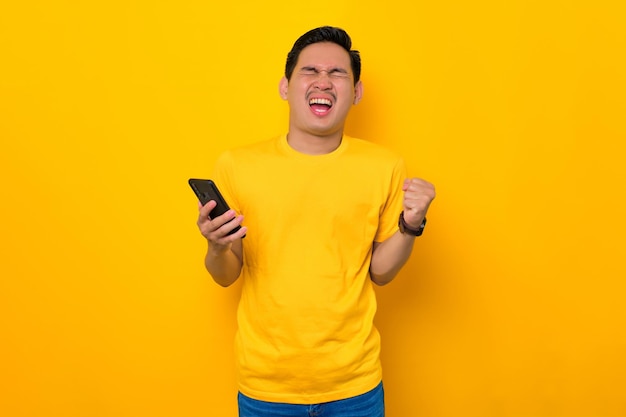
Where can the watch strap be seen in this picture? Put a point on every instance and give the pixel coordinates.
(406, 229)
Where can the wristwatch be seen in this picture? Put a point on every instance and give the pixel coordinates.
(406, 229)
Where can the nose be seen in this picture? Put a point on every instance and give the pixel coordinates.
(323, 81)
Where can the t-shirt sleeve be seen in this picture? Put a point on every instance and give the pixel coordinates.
(390, 212)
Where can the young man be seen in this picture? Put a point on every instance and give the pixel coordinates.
(325, 215)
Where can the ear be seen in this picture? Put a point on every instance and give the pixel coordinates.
(283, 87)
(358, 92)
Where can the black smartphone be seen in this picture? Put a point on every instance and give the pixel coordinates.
(206, 190)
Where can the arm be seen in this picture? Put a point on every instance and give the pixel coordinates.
(224, 257)
(389, 257)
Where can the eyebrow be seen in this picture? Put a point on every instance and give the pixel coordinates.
(312, 68)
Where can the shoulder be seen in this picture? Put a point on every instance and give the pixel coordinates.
(250, 151)
(254, 147)
(371, 150)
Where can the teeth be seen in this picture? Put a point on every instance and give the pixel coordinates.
(323, 101)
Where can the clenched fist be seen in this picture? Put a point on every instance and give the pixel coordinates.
(418, 194)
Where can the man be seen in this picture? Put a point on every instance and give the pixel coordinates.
(325, 215)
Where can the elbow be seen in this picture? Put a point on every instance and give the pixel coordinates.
(224, 281)
(381, 279)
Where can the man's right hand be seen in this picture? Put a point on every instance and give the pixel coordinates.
(216, 230)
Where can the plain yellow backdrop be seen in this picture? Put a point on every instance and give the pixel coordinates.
(513, 303)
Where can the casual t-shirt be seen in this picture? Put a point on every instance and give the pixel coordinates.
(305, 318)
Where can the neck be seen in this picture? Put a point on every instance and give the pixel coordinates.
(311, 144)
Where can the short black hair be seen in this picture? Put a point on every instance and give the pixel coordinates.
(324, 34)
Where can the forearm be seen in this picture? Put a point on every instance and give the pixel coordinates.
(389, 257)
(224, 267)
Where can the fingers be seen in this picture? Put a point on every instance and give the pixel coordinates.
(217, 230)
(416, 187)
(417, 184)
(418, 194)
(206, 209)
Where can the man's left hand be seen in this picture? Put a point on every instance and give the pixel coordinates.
(418, 194)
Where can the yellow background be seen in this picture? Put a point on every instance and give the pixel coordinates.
(513, 303)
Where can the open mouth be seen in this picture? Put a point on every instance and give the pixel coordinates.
(320, 106)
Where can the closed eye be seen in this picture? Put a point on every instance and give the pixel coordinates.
(338, 73)
(308, 71)
(333, 73)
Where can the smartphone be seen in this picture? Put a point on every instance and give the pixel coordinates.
(206, 190)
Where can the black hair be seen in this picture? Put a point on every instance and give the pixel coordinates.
(324, 34)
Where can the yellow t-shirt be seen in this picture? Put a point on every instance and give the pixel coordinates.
(305, 318)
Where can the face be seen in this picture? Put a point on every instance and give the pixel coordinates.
(321, 90)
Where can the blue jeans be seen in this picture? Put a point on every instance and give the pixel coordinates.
(370, 404)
